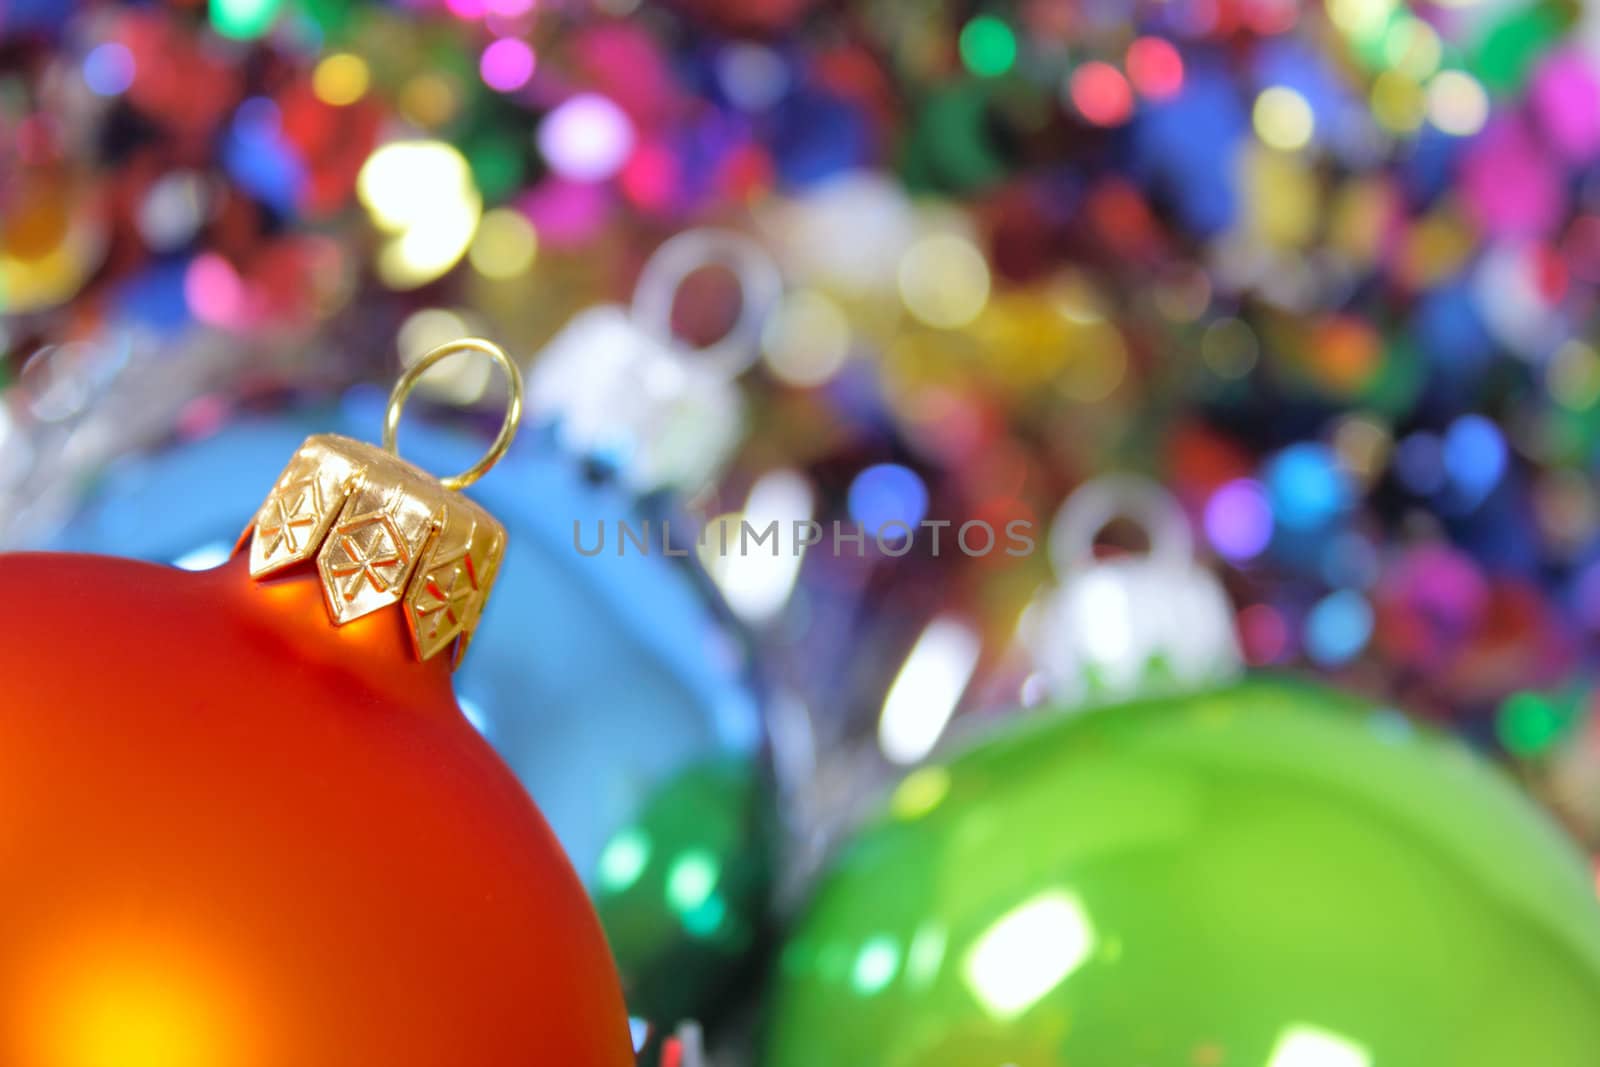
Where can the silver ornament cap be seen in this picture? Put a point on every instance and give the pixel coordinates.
(1133, 626)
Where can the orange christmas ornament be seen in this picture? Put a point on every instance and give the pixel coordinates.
(243, 822)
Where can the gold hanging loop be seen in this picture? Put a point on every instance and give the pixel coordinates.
(408, 383)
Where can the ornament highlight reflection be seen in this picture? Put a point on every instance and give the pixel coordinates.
(926, 691)
(1305, 1046)
(1028, 952)
(112, 1001)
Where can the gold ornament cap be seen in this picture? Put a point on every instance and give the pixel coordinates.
(384, 532)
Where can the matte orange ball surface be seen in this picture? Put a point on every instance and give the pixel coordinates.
(233, 835)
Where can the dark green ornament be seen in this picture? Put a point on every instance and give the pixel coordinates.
(682, 890)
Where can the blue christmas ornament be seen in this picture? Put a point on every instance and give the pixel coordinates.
(612, 684)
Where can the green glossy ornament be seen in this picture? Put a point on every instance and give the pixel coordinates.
(682, 888)
(1268, 875)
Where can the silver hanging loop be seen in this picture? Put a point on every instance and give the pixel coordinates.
(620, 385)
